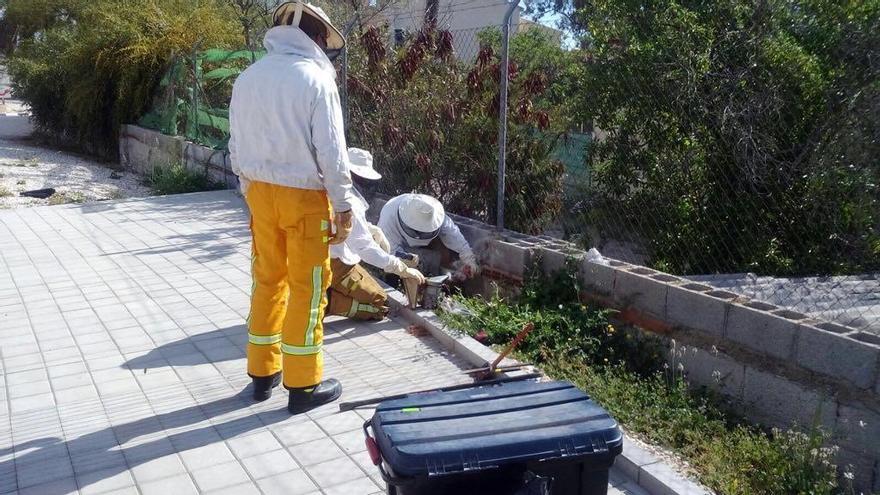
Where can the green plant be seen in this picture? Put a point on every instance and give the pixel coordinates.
(722, 121)
(4, 192)
(629, 377)
(86, 67)
(431, 121)
(177, 179)
(61, 198)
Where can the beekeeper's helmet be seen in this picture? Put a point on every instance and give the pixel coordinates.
(290, 13)
(420, 217)
(360, 163)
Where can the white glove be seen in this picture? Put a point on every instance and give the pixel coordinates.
(469, 262)
(399, 268)
(379, 237)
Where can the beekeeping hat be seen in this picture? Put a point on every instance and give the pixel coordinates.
(420, 217)
(290, 13)
(360, 163)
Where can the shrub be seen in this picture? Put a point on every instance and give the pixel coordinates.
(88, 67)
(177, 179)
(736, 135)
(628, 375)
(432, 124)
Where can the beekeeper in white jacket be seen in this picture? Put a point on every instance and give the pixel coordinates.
(287, 147)
(353, 291)
(415, 220)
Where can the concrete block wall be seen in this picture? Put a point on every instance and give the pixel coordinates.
(142, 149)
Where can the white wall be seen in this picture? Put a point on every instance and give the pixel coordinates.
(464, 18)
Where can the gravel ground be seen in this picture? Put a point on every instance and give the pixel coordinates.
(25, 166)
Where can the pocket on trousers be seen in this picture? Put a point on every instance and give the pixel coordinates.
(316, 226)
(352, 280)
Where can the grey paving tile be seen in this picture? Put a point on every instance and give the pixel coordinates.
(334, 472)
(76, 394)
(341, 422)
(26, 362)
(104, 481)
(248, 488)
(28, 389)
(31, 403)
(117, 387)
(298, 433)
(156, 468)
(316, 451)
(58, 487)
(179, 484)
(39, 473)
(291, 483)
(97, 460)
(253, 444)
(95, 440)
(220, 476)
(62, 370)
(269, 464)
(351, 442)
(71, 381)
(206, 456)
(26, 377)
(364, 486)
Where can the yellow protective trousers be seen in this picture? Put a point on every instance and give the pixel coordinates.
(291, 273)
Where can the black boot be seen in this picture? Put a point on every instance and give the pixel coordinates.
(305, 399)
(263, 386)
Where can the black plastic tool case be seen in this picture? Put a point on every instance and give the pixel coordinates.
(483, 440)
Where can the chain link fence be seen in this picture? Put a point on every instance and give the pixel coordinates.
(699, 180)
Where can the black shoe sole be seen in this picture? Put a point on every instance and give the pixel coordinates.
(264, 395)
(301, 408)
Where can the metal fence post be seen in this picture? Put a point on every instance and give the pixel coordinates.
(502, 112)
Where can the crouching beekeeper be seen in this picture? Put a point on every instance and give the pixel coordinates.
(413, 222)
(288, 148)
(353, 291)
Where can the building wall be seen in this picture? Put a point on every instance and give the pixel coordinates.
(464, 18)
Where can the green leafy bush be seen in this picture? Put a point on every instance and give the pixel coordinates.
(734, 135)
(177, 179)
(629, 376)
(85, 68)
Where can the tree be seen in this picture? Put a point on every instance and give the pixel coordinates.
(86, 67)
(432, 123)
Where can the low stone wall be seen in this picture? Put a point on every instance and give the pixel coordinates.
(142, 149)
(776, 366)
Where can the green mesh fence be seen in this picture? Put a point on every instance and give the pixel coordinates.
(193, 96)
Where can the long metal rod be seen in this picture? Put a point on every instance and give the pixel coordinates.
(502, 112)
(348, 406)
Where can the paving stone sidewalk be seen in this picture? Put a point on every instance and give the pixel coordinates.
(122, 361)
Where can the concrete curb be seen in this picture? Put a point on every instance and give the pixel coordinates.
(647, 470)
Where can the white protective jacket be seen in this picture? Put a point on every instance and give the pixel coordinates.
(449, 233)
(359, 245)
(285, 120)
